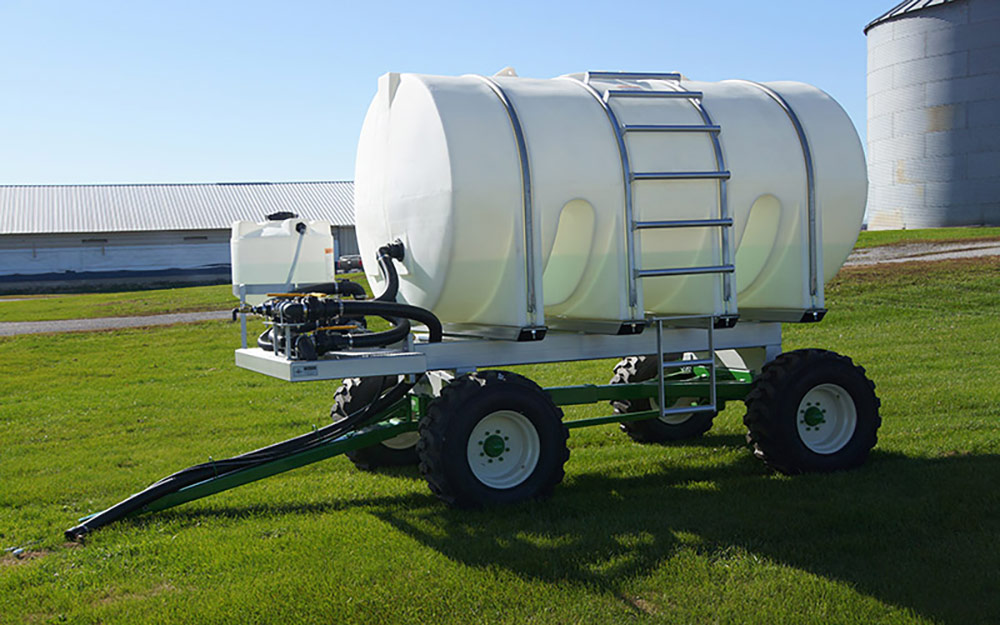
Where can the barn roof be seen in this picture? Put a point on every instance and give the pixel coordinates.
(42, 209)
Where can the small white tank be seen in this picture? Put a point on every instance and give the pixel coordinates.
(278, 253)
(516, 198)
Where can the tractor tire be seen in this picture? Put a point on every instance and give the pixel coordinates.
(812, 410)
(492, 438)
(676, 427)
(355, 394)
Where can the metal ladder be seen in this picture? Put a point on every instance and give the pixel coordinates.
(723, 221)
(708, 362)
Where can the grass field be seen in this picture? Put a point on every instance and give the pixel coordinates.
(698, 532)
(873, 238)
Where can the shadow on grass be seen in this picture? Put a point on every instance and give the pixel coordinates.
(922, 534)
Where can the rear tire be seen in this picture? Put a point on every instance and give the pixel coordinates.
(812, 410)
(655, 430)
(357, 393)
(492, 437)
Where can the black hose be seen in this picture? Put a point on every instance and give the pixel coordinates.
(340, 287)
(314, 309)
(386, 254)
(388, 310)
(265, 342)
(201, 472)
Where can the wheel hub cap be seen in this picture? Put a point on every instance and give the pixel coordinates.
(813, 416)
(494, 445)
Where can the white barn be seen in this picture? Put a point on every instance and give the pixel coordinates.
(86, 236)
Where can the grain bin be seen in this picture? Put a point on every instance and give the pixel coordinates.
(591, 200)
(934, 114)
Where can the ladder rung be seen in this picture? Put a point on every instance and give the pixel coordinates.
(632, 76)
(684, 271)
(687, 410)
(680, 175)
(673, 364)
(641, 93)
(670, 128)
(684, 223)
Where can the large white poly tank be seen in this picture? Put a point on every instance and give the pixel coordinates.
(511, 196)
(279, 253)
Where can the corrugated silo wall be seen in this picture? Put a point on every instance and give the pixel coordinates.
(934, 117)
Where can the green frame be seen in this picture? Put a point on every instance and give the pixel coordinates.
(404, 415)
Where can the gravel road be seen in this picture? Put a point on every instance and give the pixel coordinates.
(907, 252)
(11, 328)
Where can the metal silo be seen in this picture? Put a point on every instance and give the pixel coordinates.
(934, 114)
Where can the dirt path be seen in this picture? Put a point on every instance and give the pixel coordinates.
(11, 328)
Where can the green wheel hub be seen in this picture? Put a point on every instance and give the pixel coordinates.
(812, 416)
(494, 445)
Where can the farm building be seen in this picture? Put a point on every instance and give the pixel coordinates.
(87, 236)
(934, 115)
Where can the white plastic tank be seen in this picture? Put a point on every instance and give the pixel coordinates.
(279, 253)
(516, 197)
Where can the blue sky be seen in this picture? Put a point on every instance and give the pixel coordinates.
(183, 91)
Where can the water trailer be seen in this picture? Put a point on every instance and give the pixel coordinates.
(669, 223)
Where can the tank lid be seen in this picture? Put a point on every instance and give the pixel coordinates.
(904, 7)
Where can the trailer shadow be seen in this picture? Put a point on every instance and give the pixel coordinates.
(922, 534)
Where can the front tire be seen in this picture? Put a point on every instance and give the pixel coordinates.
(492, 437)
(812, 410)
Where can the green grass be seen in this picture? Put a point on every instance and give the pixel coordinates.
(119, 304)
(698, 532)
(122, 304)
(873, 238)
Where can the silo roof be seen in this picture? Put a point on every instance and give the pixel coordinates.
(907, 6)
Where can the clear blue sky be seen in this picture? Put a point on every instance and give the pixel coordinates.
(207, 91)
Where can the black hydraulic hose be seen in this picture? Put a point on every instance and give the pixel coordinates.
(386, 254)
(331, 342)
(340, 287)
(313, 309)
(201, 472)
(392, 309)
(265, 342)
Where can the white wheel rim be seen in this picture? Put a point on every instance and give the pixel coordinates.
(403, 441)
(675, 419)
(503, 449)
(826, 418)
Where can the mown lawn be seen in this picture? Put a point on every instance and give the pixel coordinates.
(698, 532)
(873, 238)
